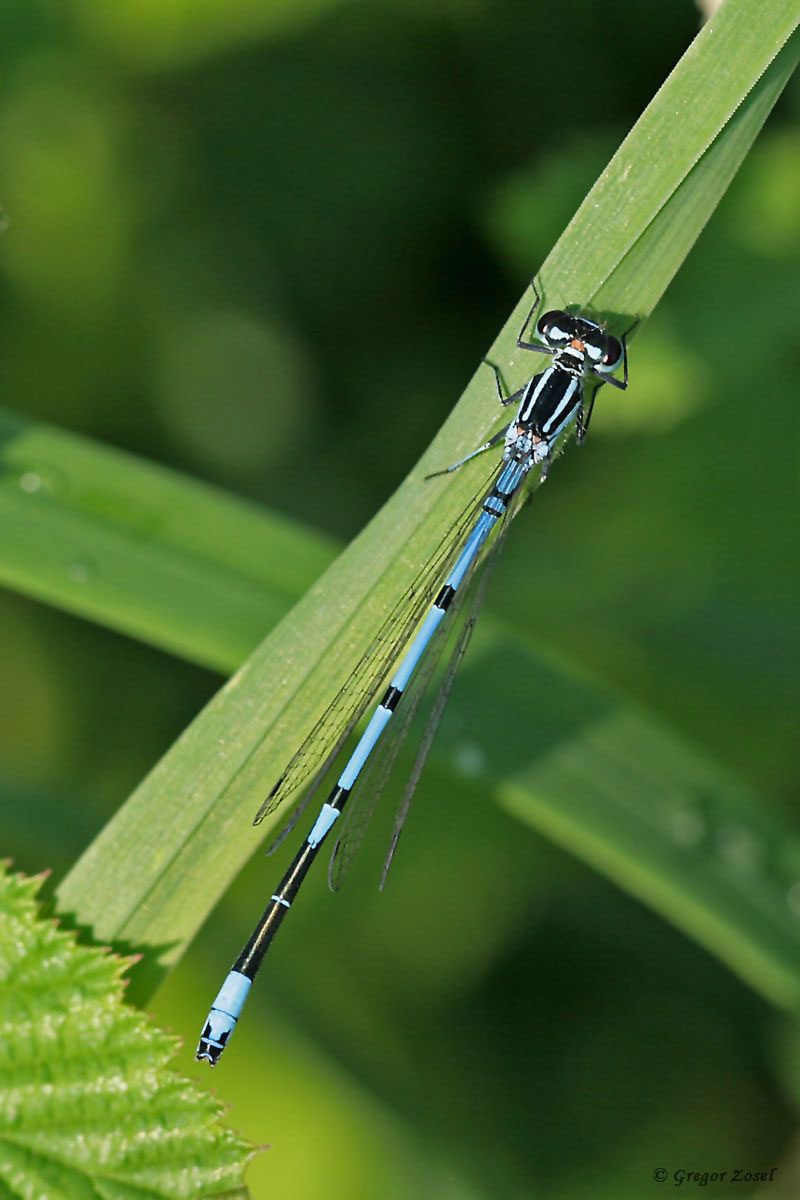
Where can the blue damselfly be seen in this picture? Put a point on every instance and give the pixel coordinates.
(550, 404)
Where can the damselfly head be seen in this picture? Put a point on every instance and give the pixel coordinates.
(556, 328)
(612, 353)
(562, 331)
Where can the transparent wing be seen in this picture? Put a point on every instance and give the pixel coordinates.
(446, 685)
(327, 737)
(296, 814)
(371, 785)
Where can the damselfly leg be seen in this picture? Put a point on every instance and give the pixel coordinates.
(405, 648)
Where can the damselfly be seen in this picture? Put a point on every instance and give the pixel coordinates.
(548, 405)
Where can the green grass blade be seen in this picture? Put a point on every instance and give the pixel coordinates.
(634, 229)
(617, 789)
(191, 571)
(189, 818)
(143, 550)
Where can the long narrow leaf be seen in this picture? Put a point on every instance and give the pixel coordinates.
(144, 550)
(616, 788)
(157, 868)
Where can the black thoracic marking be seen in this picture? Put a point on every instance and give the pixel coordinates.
(445, 598)
(392, 698)
(570, 360)
(528, 402)
(552, 393)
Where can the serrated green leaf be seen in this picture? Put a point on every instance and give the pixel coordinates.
(88, 1105)
(189, 819)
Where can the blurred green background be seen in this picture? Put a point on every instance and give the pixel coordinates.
(250, 235)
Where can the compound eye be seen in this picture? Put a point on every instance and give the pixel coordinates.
(555, 328)
(612, 353)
